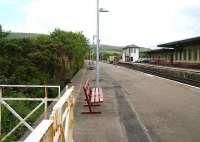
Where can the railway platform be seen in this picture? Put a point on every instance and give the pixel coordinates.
(117, 122)
(139, 107)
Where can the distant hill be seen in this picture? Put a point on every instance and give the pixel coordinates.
(111, 49)
(143, 49)
(118, 49)
(22, 35)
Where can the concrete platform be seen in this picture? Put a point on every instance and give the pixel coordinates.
(169, 110)
(118, 121)
(140, 107)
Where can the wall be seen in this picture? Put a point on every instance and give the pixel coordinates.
(134, 53)
(130, 53)
(188, 56)
(161, 58)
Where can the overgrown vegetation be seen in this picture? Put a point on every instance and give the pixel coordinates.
(45, 59)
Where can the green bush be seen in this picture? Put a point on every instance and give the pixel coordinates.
(47, 59)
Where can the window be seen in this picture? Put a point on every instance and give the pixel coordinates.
(127, 51)
(134, 50)
(131, 50)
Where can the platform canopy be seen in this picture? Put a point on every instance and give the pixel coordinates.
(163, 50)
(180, 43)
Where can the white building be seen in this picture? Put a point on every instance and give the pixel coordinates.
(130, 53)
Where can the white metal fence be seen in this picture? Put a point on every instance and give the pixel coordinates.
(59, 127)
(23, 121)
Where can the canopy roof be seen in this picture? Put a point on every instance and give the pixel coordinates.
(164, 50)
(181, 43)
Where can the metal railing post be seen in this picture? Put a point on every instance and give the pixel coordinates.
(0, 109)
(59, 92)
(45, 103)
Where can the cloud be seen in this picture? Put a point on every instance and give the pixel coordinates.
(146, 23)
(73, 15)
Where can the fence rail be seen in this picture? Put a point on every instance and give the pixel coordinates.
(59, 127)
(44, 101)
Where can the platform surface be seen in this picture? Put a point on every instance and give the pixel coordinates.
(169, 110)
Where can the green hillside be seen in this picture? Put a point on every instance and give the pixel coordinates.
(22, 35)
(108, 50)
(111, 49)
(143, 49)
(118, 49)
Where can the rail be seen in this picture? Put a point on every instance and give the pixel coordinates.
(59, 127)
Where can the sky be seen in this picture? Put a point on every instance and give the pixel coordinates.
(145, 23)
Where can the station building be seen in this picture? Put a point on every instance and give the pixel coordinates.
(183, 53)
(130, 53)
(161, 56)
(186, 52)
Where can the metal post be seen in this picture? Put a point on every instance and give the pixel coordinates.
(45, 103)
(0, 109)
(97, 48)
(59, 92)
(93, 46)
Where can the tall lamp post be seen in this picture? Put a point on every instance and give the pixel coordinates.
(98, 42)
(93, 45)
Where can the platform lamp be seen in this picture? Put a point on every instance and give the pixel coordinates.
(98, 42)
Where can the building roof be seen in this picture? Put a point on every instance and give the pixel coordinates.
(163, 50)
(131, 46)
(181, 43)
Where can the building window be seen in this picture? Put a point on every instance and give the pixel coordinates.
(127, 51)
(134, 50)
(131, 50)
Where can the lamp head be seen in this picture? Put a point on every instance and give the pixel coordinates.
(103, 10)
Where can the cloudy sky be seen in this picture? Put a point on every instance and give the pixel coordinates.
(141, 22)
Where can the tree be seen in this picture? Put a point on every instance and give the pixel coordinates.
(3, 34)
(47, 59)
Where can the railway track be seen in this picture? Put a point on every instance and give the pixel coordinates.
(169, 75)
